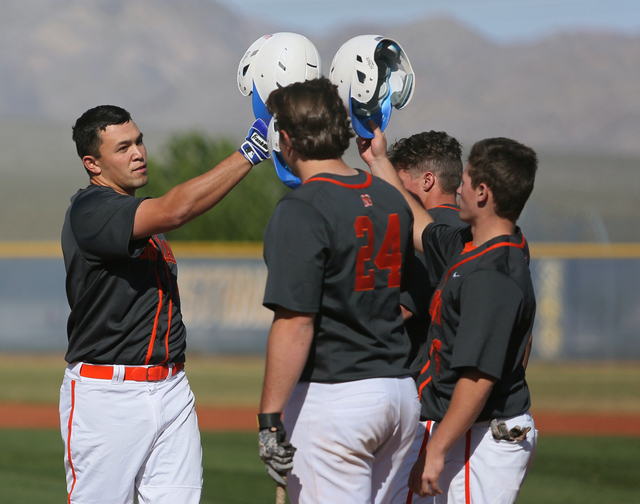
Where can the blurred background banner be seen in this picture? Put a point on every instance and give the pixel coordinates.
(587, 294)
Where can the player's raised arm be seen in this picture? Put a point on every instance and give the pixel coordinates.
(194, 197)
(374, 152)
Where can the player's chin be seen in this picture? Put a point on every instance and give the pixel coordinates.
(142, 179)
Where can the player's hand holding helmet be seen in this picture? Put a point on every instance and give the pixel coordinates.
(373, 75)
(271, 62)
(275, 450)
(255, 147)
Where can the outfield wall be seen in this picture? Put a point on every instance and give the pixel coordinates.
(588, 299)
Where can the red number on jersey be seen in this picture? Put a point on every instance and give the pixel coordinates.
(364, 281)
(389, 256)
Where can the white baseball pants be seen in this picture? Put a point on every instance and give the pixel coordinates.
(351, 438)
(126, 437)
(478, 469)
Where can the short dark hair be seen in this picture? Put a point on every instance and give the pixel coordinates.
(314, 117)
(86, 129)
(506, 167)
(433, 151)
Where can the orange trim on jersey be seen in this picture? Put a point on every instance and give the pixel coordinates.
(166, 338)
(155, 322)
(73, 471)
(468, 247)
(450, 207)
(435, 309)
(424, 384)
(467, 470)
(364, 185)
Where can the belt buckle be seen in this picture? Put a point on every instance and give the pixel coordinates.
(156, 373)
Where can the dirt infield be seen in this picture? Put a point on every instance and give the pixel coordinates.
(36, 416)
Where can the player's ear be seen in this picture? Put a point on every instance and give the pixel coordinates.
(285, 140)
(428, 181)
(91, 164)
(482, 193)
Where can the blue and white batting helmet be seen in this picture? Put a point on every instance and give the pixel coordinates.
(271, 62)
(373, 75)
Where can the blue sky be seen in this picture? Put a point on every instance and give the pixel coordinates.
(499, 20)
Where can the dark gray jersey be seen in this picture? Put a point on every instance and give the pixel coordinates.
(481, 317)
(425, 278)
(337, 247)
(123, 294)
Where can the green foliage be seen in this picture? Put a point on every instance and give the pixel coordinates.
(242, 215)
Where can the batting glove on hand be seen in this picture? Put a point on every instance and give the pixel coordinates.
(256, 148)
(275, 451)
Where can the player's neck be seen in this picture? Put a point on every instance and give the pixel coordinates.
(437, 199)
(103, 182)
(486, 227)
(310, 167)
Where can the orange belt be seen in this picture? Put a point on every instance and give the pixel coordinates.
(141, 374)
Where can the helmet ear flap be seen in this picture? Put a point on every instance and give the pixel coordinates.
(282, 169)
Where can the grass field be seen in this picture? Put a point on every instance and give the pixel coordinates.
(567, 470)
(236, 381)
(572, 470)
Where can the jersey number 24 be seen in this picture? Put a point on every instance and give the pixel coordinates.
(389, 256)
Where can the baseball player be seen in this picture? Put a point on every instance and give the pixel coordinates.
(126, 410)
(337, 351)
(482, 437)
(429, 165)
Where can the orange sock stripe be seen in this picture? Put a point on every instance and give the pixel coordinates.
(73, 471)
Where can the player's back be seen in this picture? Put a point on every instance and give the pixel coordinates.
(356, 234)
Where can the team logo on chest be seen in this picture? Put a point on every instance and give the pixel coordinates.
(366, 199)
(156, 247)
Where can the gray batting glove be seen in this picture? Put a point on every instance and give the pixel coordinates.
(500, 431)
(275, 450)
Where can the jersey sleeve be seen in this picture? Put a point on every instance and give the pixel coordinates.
(418, 294)
(489, 306)
(440, 243)
(102, 223)
(296, 245)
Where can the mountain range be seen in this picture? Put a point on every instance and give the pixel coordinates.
(174, 63)
(574, 97)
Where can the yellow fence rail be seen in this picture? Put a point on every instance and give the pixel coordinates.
(235, 250)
